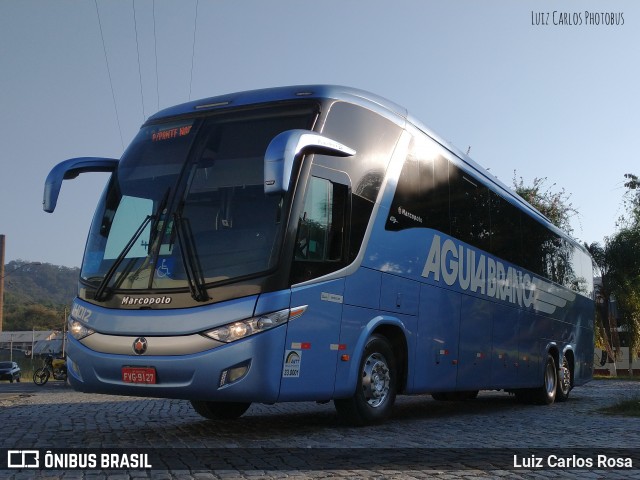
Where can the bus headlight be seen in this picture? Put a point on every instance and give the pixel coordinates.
(79, 330)
(245, 328)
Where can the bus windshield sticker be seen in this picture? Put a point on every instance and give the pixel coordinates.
(292, 362)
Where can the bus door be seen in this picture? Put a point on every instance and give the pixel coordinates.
(312, 344)
(311, 347)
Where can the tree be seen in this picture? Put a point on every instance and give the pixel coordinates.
(556, 206)
(618, 262)
(35, 316)
(631, 201)
(623, 255)
(606, 326)
(36, 295)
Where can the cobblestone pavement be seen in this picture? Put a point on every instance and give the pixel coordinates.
(306, 440)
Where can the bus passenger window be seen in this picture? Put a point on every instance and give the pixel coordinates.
(422, 194)
(506, 241)
(434, 175)
(469, 207)
(406, 209)
(534, 236)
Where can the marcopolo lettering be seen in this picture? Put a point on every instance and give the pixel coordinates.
(472, 271)
(145, 300)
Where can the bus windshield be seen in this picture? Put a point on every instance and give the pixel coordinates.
(186, 207)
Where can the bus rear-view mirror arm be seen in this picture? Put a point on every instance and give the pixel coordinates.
(286, 147)
(71, 169)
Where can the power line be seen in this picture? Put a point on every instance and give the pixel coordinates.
(155, 49)
(113, 96)
(135, 27)
(193, 48)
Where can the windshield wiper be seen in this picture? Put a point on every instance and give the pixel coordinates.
(190, 259)
(154, 234)
(100, 292)
(160, 213)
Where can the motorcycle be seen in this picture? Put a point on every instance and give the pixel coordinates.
(53, 367)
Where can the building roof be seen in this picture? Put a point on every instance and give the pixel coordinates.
(29, 336)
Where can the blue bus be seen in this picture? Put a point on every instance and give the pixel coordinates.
(317, 243)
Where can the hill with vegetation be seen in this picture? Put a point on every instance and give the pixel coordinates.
(37, 296)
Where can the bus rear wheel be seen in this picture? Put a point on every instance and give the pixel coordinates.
(220, 410)
(565, 380)
(546, 394)
(376, 388)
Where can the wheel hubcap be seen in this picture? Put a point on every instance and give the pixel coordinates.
(375, 380)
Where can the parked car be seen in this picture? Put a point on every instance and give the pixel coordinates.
(9, 371)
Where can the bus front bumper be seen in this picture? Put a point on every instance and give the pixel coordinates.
(247, 370)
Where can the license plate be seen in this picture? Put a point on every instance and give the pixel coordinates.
(138, 374)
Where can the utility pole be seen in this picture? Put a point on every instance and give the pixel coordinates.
(64, 333)
(1, 279)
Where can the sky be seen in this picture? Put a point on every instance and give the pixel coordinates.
(540, 88)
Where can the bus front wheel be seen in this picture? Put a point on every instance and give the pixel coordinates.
(376, 389)
(220, 410)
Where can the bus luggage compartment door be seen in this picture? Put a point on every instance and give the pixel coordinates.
(438, 335)
(474, 357)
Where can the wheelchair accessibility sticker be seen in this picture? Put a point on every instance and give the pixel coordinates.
(165, 268)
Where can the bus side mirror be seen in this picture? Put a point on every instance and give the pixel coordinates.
(286, 147)
(71, 169)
